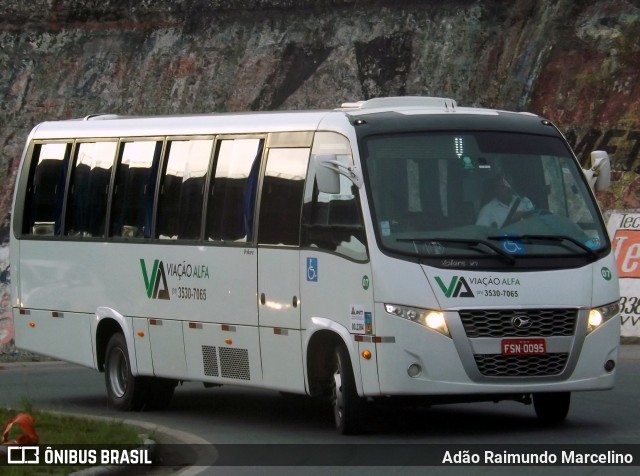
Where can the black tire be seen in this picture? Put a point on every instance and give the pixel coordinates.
(347, 405)
(552, 408)
(125, 392)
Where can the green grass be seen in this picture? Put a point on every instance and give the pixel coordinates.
(56, 429)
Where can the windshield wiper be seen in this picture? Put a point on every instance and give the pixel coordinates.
(471, 243)
(551, 238)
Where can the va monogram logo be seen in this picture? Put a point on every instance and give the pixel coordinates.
(458, 287)
(155, 289)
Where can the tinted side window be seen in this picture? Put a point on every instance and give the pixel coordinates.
(181, 200)
(281, 201)
(231, 197)
(89, 189)
(45, 193)
(333, 222)
(134, 189)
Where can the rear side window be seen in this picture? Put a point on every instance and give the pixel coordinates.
(89, 189)
(45, 192)
(134, 189)
(231, 199)
(181, 197)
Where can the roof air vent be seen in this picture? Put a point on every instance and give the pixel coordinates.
(102, 116)
(402, 102)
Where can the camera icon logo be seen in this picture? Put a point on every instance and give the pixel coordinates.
(23, 454)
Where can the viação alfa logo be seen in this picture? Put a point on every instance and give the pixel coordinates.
(156, 282)
(457, 287)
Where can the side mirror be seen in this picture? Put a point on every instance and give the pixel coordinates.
(326, 175)
(328, 171)
(599, 174)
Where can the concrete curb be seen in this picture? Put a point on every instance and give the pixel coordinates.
(29, 363)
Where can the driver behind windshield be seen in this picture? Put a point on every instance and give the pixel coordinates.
(505, 207)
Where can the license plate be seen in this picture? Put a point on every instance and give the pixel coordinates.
(524, 347)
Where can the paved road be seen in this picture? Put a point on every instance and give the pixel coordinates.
(237, 415)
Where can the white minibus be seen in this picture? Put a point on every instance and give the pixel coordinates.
(394, 247)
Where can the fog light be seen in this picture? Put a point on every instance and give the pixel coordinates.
(609, 365)
(414, 370)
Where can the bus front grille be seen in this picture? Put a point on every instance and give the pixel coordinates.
(496, 365)
(519, 322)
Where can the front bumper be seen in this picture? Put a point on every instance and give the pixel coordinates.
(450, 366)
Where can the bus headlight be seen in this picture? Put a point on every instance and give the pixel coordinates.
(431, 319)
(600, 315)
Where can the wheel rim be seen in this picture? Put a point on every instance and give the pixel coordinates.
(338, 401)
(118, 372)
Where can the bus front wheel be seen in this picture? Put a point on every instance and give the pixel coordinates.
(552, 407)
(347, 405)
(125, 391)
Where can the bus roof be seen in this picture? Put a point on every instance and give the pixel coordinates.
(200, 124)
(409, 108)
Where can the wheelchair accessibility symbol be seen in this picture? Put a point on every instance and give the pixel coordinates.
(512, 246)
(312, 269)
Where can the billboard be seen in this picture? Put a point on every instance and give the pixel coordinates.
(624, 229)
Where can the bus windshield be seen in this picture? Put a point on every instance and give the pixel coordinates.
(504, 195)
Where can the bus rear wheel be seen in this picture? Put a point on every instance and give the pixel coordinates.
(126, 392)
(347, 405)
(552, 407)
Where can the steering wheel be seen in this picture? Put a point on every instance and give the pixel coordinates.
(515, 216)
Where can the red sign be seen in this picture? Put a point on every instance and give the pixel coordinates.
(626, 246)
(524, 347)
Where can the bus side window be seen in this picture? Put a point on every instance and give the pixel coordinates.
(231, 199)
(333, 222)
(281, 201)
(134, 189)
(89, 189)
(182, 184)
(45, 193)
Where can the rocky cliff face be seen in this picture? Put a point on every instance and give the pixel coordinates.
(576, 63)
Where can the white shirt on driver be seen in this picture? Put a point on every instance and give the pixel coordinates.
(495, 212)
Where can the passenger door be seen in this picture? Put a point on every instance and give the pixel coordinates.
(278, 267)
